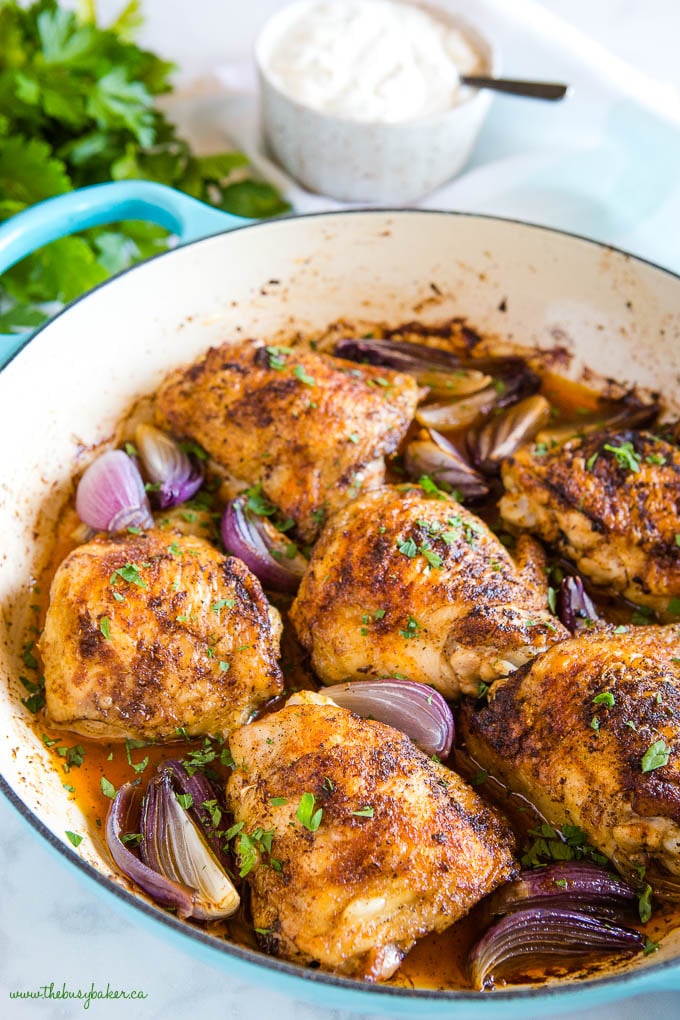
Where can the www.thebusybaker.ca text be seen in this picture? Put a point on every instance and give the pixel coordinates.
(51, 991)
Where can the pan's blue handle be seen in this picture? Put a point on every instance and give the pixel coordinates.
(66, 214)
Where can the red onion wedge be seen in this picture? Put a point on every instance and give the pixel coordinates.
(110, 495)
(575, 608)
(272, 557)
(416, 709)
(513, 379)
(542, 935)
(123, 818)
(176, 477)
(571, 885)
(179, 865)
(433, 455)
(503, 434)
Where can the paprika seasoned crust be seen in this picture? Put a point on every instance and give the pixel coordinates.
(311, 429)
(610, 502)
(148, 633)
(401, 846)
(403, 583)
(589, 732)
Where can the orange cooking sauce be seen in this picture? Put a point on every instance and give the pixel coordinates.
(437, 961)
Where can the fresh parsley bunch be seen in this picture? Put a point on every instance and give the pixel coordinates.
(77, 108)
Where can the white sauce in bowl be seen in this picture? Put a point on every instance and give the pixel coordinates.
(378, 61)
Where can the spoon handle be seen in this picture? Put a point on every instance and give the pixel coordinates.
(534, 89)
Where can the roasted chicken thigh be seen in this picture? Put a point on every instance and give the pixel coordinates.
(361, 843)
(403, 584)
(610, 502)
(148, 633)
(311, 429)
(590, 733)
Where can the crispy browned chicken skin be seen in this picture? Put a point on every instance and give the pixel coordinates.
(615, 514)
(148, 633)
(403, 846)
(406, 584)
(310, 428)
(581, 761)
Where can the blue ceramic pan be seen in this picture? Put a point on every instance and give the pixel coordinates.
(228, 279)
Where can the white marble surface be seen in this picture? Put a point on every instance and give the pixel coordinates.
(54, 926)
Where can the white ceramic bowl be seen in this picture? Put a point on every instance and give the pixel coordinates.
(358, 161)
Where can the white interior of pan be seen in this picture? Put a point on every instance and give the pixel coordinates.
(67, 390)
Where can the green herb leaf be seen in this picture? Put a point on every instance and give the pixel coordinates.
(306, 814)
(108, 789)
(300, 374)
(645, 904)
(364, 812)
(74, 838)
(605, 698)
(655, 756)
(185, 800)
(104, 627)
(625, 454)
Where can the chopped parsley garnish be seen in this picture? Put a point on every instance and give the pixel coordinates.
(29, 659)
(36, 690)
(364, 812)
(595, 723)
(650, 947)
(108, 789)
(408, 547)
(105, 627)
(411, 629)
(552, 600)
(306, 814)
(221, 603)
(621, 629)
(75, 756)
(626, 455)
(224, 666)
(590, 463)
(605, 698)
(540, 449)
(247, 854)
(214, 810)
(328, 785)
(300, 374)
(197, 759)
(548, 845)
(130, 573)
(482, 689)
(431, 488)
(74, 838)
(278, 801)
(185, 800)
(655, 458)
(276, 356)
(378, 614)
(258, 504)
(353, 437)
(433, 558)
(645, 904)
(655, 756)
